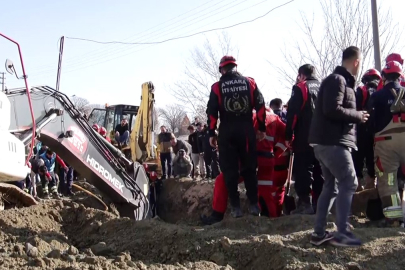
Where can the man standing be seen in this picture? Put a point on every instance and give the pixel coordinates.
(122, 133)
(307, 171)
(332, 135)
(233, 98)
(196, 153)
(210, 155)
(165, 149)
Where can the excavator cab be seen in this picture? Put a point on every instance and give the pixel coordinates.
(111, 116)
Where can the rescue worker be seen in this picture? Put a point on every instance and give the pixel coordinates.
(306, 170)
(49, 158)
(96, 127)
(234, 97)
(66, 181)
(394, 57)
(103, 132)
(270, 184)
(365, 141)
(270, 191)
(277, 106)
(388, 123)
(182, 165)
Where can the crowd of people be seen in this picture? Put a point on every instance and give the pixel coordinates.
(194, 158)
(331, 129)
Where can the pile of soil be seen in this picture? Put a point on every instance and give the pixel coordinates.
(64, 234)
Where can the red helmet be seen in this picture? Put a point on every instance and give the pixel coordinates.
(372, 72)
(394, 57)
(392, 67)
(103, 131)
(96, 127)
(226, 60)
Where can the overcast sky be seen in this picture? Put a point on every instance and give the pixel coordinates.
(114, 73)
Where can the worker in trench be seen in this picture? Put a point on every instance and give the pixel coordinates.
(271, 155)
(234, 97)
(387, 120)
(50, 158)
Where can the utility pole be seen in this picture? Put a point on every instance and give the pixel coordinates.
(376, 35)
(3, 78)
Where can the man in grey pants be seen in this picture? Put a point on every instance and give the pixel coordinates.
(332, 134)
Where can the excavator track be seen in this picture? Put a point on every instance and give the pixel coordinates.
(64, 129)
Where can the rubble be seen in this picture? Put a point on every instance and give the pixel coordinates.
(65, 234)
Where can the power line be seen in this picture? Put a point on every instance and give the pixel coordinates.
(145, 33)
(181, 37)
(156, 43)
(174, 29)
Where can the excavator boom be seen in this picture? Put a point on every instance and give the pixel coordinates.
(64, 129)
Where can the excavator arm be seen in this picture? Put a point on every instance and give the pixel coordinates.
(63, 128)
(143, 134)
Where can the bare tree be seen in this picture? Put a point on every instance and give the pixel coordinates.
(172, 116)
(81, 104)
(201, 71)
(346, 23)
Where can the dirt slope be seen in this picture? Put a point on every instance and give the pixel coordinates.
(67, 235)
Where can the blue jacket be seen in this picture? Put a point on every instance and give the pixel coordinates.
(380, 104)
(49, 163)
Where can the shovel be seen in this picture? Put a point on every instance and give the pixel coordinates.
(289, 201)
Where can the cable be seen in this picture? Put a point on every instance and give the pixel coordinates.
(167, 32)
(181, 37)
(155, 43)
(83, 56)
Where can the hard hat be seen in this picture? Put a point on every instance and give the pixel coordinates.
(103, 131)
(226, 60)
(370, 73)
(96, 127)
(394, 57)
(392, 67)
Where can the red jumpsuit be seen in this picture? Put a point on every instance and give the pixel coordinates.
(270, 184)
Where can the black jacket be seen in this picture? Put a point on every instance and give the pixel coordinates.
(380, 107)
(206, 146)
(233, 98)
(193, 141)
(300, 111)
(335, 112)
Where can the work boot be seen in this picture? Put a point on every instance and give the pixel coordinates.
(236, 212)
(303, 208)
(370, 182)
(46, 196)
(254, 210)
(56, 195)
(215, 217)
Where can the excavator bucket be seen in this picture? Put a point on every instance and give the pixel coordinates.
(63, 128)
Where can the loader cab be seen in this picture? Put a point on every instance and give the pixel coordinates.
(111, 116)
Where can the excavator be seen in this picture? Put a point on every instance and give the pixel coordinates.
(46, 114)
(141, 121)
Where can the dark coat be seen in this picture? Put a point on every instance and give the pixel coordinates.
(335, 112)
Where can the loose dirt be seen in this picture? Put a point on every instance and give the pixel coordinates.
(72, 234)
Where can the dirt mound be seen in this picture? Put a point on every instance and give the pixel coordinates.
(67, 235)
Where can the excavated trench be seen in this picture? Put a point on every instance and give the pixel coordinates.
(175, 241)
